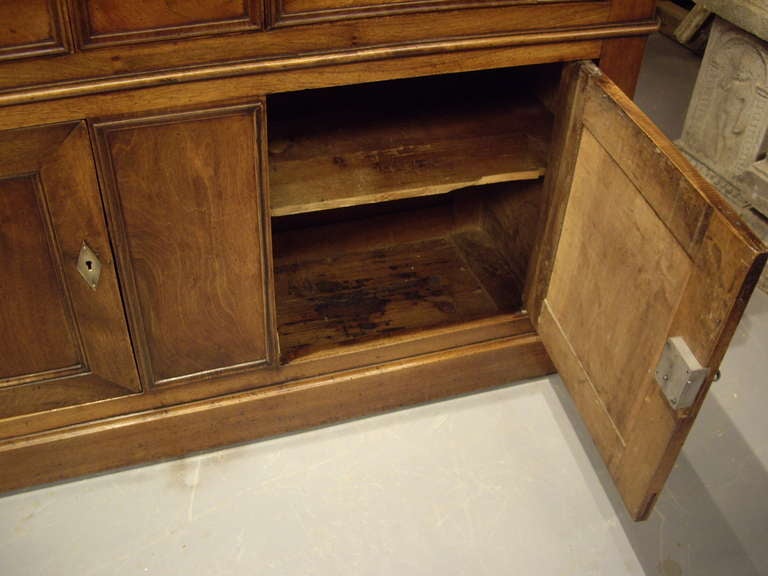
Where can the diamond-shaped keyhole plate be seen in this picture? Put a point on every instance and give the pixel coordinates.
(89, 265)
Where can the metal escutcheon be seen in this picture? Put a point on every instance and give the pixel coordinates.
(89, 266)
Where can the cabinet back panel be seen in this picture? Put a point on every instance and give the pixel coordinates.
(189, 199)
(36, 331)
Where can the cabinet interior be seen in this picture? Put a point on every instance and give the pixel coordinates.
(405, 205)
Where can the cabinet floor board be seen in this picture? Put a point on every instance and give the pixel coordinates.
(328, 301)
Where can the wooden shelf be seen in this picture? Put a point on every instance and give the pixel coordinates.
(359, 281)
(345, 154)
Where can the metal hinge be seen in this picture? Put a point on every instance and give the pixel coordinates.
(679, 373)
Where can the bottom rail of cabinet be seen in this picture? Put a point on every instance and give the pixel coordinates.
(171, 432)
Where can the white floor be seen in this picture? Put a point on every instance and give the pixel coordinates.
(505, 482)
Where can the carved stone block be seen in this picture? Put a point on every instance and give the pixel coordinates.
(726, 127)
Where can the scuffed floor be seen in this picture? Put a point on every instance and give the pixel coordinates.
(504, 482)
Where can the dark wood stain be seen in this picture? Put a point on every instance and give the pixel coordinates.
(326, 301)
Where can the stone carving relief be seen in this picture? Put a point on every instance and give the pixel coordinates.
(727, 121)
(726, 127)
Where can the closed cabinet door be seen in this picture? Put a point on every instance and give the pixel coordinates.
(641, 276)
(63, 334)
(184, 201)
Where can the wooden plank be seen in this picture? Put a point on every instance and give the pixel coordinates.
(511, 216)
(676, 201)
(22, 151)
(586, 397)
(366, 291)
(616, 281)
(621, 59)
(691, 24)
(670, 14)
(423, 147)
(140, 438)
(726, 271)
(566, 135)
(36, 398)
(324, 362)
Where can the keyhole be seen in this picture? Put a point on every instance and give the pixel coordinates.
(89, 265)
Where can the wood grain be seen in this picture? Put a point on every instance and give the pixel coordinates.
(33, 28)
(23, 150)
(566, 135)
(268, 77)
(616, 281)
(69, 177)
(39, 334)
(78, 450)
(227, 55)
(351, 357)
(621, 58)
(293, 12)
(113, 22)
(511, 217)
(630, 273)
(415, 138)
(358, 289)
(676, 200)
(67, 343)
(184, 197)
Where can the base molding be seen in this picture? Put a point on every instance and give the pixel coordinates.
(171, 432)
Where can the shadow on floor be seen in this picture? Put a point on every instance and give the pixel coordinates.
(688, 533)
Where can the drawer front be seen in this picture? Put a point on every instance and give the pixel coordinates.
(32, 28)
(118, 22)
(183, 195)
(300, 11)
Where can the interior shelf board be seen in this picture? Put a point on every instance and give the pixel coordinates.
(378, 158)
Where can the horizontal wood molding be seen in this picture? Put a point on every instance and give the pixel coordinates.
(245, 87)
(297, 12)
(62, 81)
(356, 356)
(149, 436)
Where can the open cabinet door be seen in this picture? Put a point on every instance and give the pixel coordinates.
(640, 277)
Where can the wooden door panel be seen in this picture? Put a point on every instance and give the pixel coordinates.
(39, 339)
(184, 194)
(117, 21)
(637, 248)
(62, 342)
(32, 28)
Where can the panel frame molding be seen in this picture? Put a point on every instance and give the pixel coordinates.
(85, 38)
(81, 368)
(60, 42)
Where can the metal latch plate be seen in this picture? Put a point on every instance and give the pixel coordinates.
(679, 373)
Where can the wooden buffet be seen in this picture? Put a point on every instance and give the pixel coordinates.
(223, 220)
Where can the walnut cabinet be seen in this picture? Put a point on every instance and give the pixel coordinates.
(280, 243)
